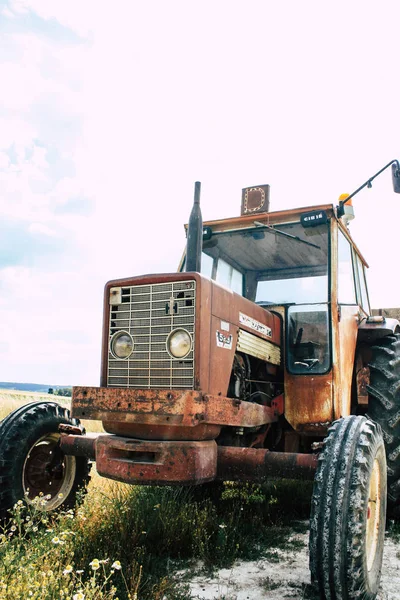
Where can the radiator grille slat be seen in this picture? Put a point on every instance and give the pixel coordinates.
(258, 347)
(149, 313)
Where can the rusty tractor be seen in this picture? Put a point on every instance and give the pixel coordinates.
(259, 359)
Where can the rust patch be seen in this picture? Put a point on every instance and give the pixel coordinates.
(155, 463)
(318, 428)
(71, 429)
(79, 445)
(308, 400)
(278, 404)
(169, 409)
(251, 464)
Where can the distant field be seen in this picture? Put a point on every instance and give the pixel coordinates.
(29, 395)
(12, 399)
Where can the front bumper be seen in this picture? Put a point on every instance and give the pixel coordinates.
(162, 436)
(167, 414)
(167, 463)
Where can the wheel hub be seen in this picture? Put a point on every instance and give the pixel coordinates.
(48, 472)
(40, 475)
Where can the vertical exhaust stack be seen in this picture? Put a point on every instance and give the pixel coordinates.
(194, 243)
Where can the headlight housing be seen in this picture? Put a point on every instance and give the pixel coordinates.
(121, 345)
(179, 343)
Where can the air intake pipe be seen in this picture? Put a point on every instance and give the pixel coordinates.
(194, 243)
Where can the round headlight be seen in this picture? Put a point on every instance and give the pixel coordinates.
(179, 343)
(121, 345)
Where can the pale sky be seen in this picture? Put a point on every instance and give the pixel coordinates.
(109, 111)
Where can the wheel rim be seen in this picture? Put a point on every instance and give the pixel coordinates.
(40, 479)
(373, 514)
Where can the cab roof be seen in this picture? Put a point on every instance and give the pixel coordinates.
(278, 217)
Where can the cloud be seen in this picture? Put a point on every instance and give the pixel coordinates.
(41, 229)
(43, 208)
(30, 244)
(108, 117)
(21, 16)
(45, 326)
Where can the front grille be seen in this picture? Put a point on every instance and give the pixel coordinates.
(149, 313)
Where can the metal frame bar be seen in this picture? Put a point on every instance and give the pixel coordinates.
(368, 183)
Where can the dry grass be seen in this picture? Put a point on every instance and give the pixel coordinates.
(151, 531)
(12, 399)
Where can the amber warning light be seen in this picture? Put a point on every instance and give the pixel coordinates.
(348, 210)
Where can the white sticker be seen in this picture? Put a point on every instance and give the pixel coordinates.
(224, 340)
(224, 326)
(256, 325)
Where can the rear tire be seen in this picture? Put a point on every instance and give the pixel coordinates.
(348, 511)
(28, 438)
(384, 408)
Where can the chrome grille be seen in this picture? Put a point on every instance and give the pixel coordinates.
(149, 313)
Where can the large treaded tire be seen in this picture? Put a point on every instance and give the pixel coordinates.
(28, 437)
(348, 511)
(384, 408)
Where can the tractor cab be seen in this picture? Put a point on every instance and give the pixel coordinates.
(303, 265)
(284, 267)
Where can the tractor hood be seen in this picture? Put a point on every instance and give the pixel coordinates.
(150, 308)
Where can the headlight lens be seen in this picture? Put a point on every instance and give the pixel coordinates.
(121, 345)
(179, 343)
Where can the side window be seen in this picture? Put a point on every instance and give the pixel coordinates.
(206, 265)
(308, 346)
(229, 277)
(346, 289)
(364, 301)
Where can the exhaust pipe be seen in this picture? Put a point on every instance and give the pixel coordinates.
(194, 243)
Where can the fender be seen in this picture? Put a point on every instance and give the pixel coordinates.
(370, 330)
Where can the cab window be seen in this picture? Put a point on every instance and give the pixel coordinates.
(229, 276)
(308, 341)
(206, 265)
(362, 285)
(221, 271)
(346, 288)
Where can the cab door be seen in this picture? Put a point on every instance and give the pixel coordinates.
(346, 318)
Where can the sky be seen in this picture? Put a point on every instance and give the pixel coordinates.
(109, 112)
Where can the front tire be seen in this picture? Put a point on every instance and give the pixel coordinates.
(348, 511)
(28, 443)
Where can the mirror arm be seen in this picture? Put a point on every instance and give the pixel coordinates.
(368, 183)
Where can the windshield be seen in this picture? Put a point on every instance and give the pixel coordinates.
(283, 264)
(296, 269)
(298, 290)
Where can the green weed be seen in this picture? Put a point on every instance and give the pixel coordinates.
(151, 531)
(127, 542)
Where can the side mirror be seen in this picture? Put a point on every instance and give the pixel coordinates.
(396, 177)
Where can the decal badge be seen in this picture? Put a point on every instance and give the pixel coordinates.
(224, 340)
(225, 325)
(253, 324)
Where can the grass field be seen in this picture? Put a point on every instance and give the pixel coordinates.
(12, 399)
(128, 542)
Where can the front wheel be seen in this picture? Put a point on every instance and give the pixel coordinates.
(348, 511)
(31, 463)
